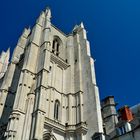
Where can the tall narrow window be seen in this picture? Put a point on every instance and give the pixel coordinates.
(55, 47)
(56, 110)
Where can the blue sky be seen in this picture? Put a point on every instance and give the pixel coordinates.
(113, 31)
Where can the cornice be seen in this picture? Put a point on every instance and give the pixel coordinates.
(53, 88)
(59, 61)
(79, 128)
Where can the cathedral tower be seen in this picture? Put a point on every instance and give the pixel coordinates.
(49, 90)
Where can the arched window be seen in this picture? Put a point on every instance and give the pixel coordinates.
(56, 110)
(48, 136)
(56, 46)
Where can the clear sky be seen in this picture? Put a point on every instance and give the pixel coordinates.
(113, 31)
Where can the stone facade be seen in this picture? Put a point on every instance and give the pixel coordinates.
(49, 90)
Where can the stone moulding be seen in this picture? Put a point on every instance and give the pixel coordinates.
(59, 61)
(82, 126)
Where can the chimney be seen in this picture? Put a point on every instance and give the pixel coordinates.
(109, 114)
(126, 114)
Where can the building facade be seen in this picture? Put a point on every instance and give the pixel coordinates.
(48, 90)
(123, 124)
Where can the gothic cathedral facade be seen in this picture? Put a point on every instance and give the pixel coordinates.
(48, 90)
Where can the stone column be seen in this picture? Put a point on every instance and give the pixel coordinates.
(5, 86)
(81, 106)
(80, 136)
(70, 109)
(39, 114)
(3, 95)
(41, 91)
(28, 117)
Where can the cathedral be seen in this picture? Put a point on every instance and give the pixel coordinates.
(48, 88)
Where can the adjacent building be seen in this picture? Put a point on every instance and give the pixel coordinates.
(123, 124)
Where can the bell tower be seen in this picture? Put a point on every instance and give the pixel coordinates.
(56, 96)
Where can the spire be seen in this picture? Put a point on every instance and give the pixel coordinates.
(42, 14)
(1, 55)
(78, 27)
(8, 54)
(48, 13)
(75, 28)
(4, 62)
(41, 18)
(29, 28)
(5, 57)
(8, 50)
(26, 32)
(81, 25)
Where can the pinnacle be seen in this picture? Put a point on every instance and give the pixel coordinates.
(75, 27)
(42, 14)
(48, 12)
(8, 50)
(82, 25)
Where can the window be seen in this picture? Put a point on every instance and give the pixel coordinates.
(56, 110)
(55, 47)
(97, 136)
(121, 130)
(48, 136)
